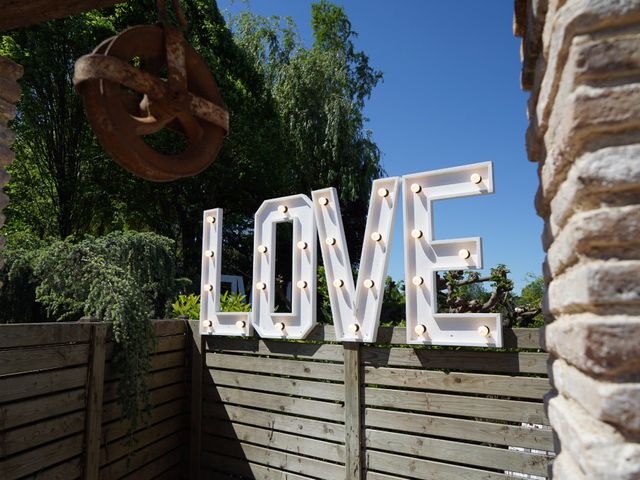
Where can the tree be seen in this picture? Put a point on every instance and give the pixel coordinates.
(283, 139)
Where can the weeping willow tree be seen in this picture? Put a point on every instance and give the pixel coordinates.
(320, 94)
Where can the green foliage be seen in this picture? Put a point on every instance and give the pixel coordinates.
(186, 306)
(189, 305)
(122, 278)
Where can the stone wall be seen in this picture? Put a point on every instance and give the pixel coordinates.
(10, 91)
(581, 62)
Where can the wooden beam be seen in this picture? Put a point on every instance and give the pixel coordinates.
(95, 390)
(197, 377)
(352, 411)
(22, 13)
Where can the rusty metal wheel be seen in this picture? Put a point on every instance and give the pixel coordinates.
(125, 99)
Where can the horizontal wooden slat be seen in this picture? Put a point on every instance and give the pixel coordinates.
(496, 362)
(68, 470)
(154, 380)
(32, 384)
(39, 334)
(235, 467)
(31, 436)
(276, 348)
(503, 385)
(111, 410)
(158, 466)
(32, 410)
(450, 451)
(118, 429)
(42, 358)
(459, 405)
(176, 472)
(425, 469)
(275, 421)
(143, 437)
(486, 432)
(40, 458)
(158, 362)
(143, 456)
(291, 405)
(289, 386)
(281, 460)
(277, 366)
(163, 345)
(271, 439)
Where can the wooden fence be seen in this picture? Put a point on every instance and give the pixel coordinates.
(58, 413)
(323, 410)
(272, 410)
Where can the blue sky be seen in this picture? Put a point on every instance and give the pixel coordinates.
(450, 96)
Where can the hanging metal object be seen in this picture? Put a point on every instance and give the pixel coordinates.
(125, 99)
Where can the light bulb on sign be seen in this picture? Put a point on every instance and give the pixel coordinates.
(207, 287)
(262, 248)
(383, 192)
(338, 283)
(240, 324)
(484, 331)
(354, 328)
(417, 280)
(261, 285)
(415, 188)
(476, 178)
(463, 253)
(279, 326)
(324, 201)
(211, 219)
(330, 241)
(302, 245)
(301, 284)
(368, 283)
(416, 233)
(207, 323)
(420, 329)
(283, 209)
(376, 236)
(208, 253)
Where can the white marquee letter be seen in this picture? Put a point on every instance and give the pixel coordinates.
(212, 321)
(356, 311)
(297, 324)
(424, 256)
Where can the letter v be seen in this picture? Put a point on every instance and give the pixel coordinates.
(356, 310)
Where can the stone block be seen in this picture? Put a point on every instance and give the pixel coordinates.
(607, 58)
(565, 467)
(7, 111)
(595, 285)
(10, 69)
(10, 90)
(581, 117)
(607, 176)
(570, 19)
(6, 156)
(614, 403)
(597, 448)
(7, 136)
(603, 346)
(597, 234)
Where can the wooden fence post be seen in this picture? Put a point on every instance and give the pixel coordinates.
(94, 394)
(197, 370)
(352, 411)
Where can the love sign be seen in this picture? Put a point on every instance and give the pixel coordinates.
(355, 303)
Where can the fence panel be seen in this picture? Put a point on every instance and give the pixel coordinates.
(59, 417)
(304, 409)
